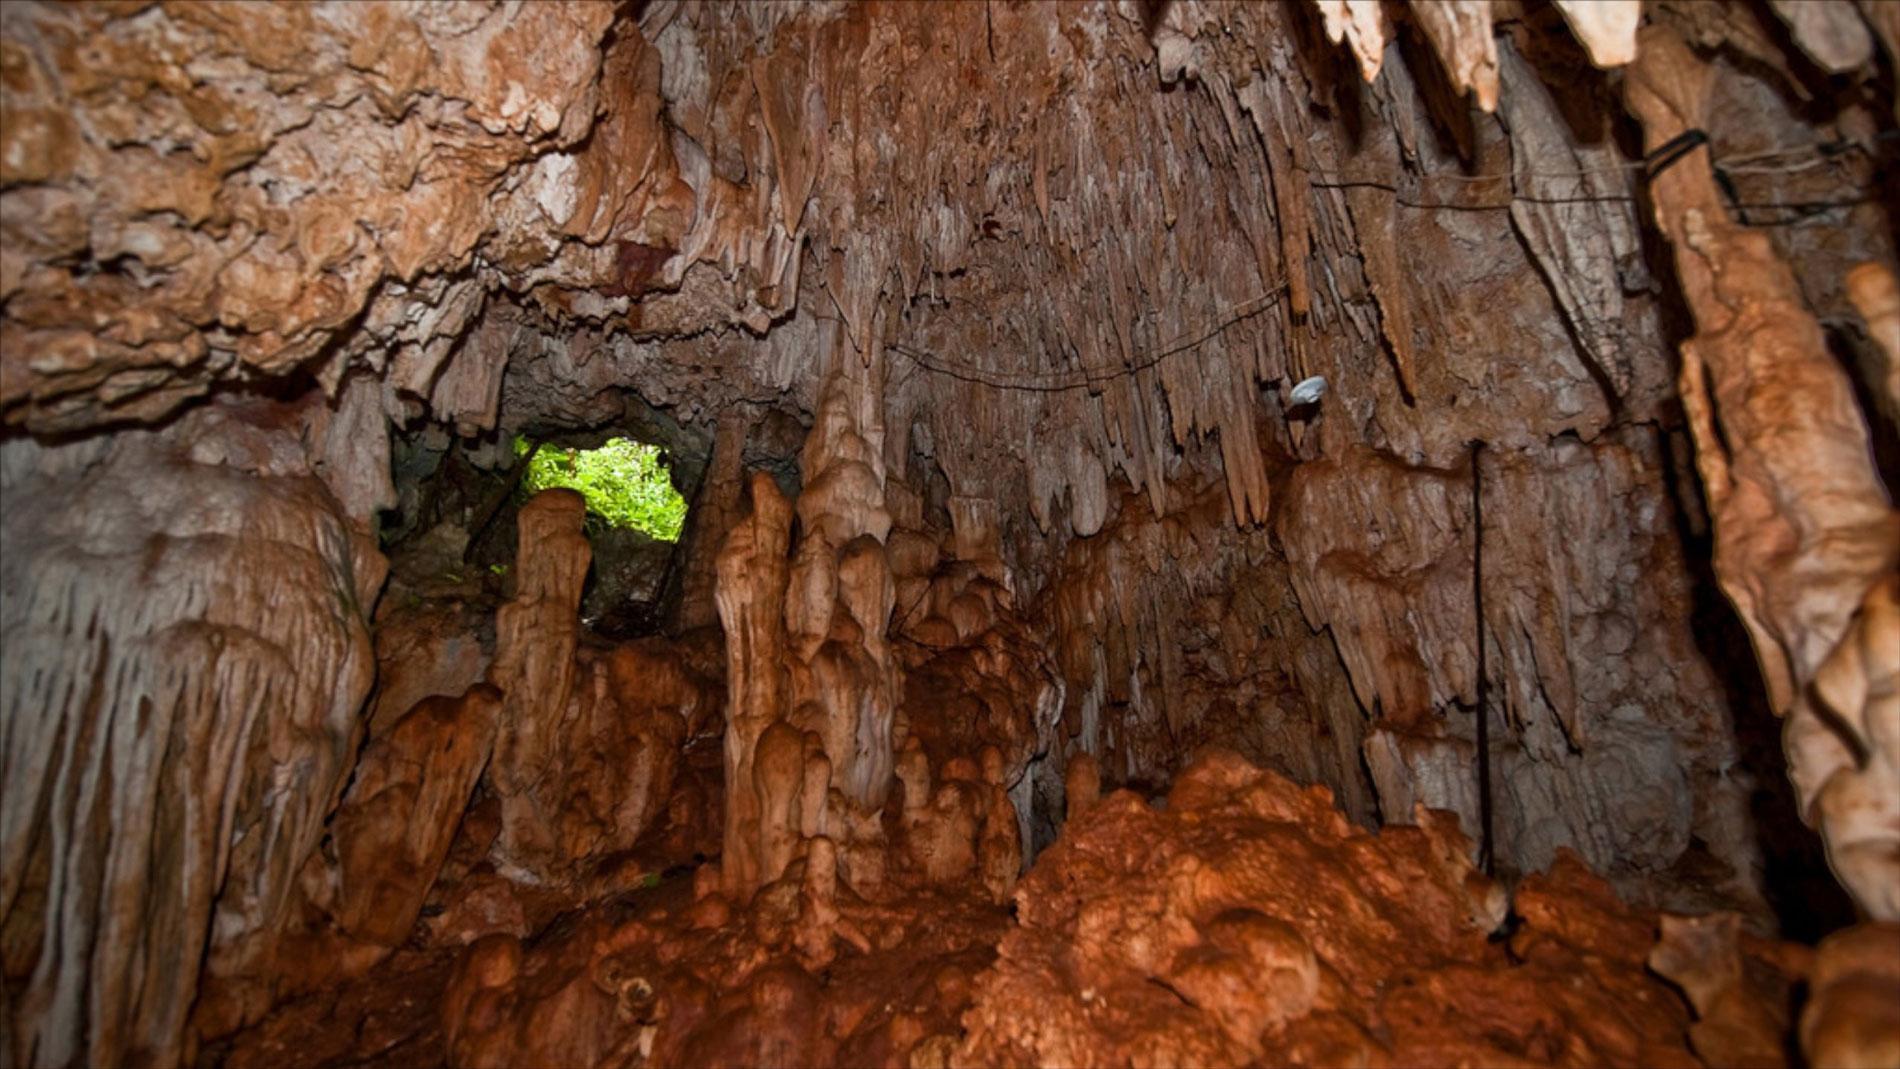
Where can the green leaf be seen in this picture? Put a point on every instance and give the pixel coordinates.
(623, 481)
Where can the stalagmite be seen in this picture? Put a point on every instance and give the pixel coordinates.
(751, 595)
(1852, 1016)
(534, 669)
(1137, 531)
(395, 824)
(842, 681)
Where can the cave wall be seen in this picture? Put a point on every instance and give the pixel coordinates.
(1071, 260)
(187, 655)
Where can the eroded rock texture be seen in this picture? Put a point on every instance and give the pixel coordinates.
(396, 823)
(1250, 922)
(589, 740)
(973, 333)
(186, 656)
(1807, 540)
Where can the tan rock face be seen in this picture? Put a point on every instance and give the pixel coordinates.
(366, 140)
(1807, 538)
(187, 652)
(1248, 922)
(992, 315)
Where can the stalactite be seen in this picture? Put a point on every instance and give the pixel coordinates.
(1607, 28)
(1460, 32)
(1805, 535)
(1583, 237)
(168, 763)
(1361, 25)
(1833, 35)
(1041, 280)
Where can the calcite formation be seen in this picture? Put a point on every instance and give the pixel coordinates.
(186, 651)
(1850, 1017)
(1177, 486)
(588, 742)
(1248, 922)
(1807, 540)
(760, 819)
(394, 827)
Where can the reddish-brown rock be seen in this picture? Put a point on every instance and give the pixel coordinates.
(1118, 382)
(1852, 1017)
(1249, 922)
(404, 804)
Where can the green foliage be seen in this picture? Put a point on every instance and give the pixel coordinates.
(623, 481)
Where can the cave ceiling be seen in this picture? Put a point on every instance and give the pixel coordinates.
(1079, 244)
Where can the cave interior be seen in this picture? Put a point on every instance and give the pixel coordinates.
(1322, 532)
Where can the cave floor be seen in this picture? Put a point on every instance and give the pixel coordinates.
(1242, 920)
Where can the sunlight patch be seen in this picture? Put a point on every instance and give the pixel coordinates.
(624, 481)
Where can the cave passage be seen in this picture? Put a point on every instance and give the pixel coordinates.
(615, 534)
(627, 484)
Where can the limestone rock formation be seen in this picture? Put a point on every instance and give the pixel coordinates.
(813, 681)
(403, 807)
(751, 596)
(186, 656)
(588, 742)
(1808, 542)
(1850, 1017)
(1740, 1005)
(537, 638)
(733, 985)
(1431, 402)
(1249, 922)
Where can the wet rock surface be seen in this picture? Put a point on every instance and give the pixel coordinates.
(1248, 922)
(973, 334)
(1244, 921)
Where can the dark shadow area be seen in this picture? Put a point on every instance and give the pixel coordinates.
(458, 499)
(1861, 363)
(1807, 900)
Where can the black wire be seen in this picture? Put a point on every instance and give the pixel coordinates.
(1452, 206)
(1486, 851)
(1091, 378)
(1674, 151)
(1653, 164)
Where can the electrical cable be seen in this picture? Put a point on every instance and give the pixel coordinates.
(1652, 165)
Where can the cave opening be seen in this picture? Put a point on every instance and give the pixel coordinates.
(709, 533)
(628, 485)
(635, 517)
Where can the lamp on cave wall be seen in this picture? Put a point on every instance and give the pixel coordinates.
(1303, 406)
(1307, 393)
